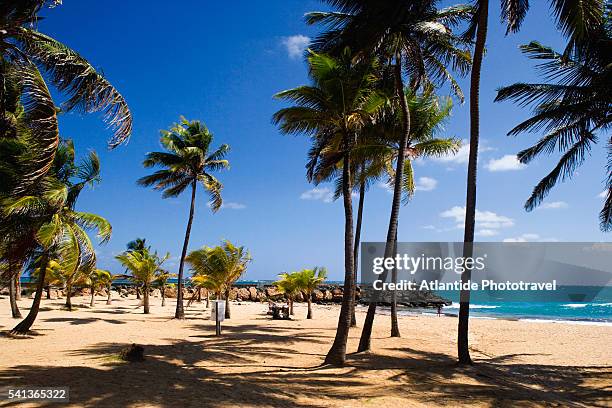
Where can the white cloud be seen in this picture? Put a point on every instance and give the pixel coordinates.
(486, 232)
(385, 187)
(508, 162)
(484, 219)
(603, 194)
(318, 194)
(426, 184)
(296, 44)
(555, 205)
(233, 206)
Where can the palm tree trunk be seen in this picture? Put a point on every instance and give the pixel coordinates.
(24, 326)
(48, 290)
(337, 353)
(199, 298)
(93, 296)
(163, 295)
(366, 333)
(357, 241)
(207, 298)
(309, 315)
(18, 285)
(227, 304)
(291, 306)
(394, 325)
(180, 311)
(68, 304)
(109, 298)
(470, 204)
(145, 295)
(137, 292)
(16, 313)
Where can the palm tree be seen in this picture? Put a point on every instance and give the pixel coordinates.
(332, 111)
(138, 244)
(97, 279)
(415, 38)
(576, 20)
(27, 58)
(218, 268)
(162, 281)
(289, 286)
(571, 111)
(144, 267)
(47, 222)
(308, 280)
(186, 161)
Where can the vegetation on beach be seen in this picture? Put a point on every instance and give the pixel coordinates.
(304, 281)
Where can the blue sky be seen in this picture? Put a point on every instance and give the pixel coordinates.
(221, 62)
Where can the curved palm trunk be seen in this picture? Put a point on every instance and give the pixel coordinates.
(366, 333)
(180, 311)
(470, 204)
(26, 324)
(394, 325)
(163, 295)
(227, 304)
(16, 313)
(337, 353)
(109, 299)
(145, 296)
(357, 241)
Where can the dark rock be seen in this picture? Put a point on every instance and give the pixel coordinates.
(132, 353)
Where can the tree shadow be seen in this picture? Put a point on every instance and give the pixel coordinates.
(77, 321)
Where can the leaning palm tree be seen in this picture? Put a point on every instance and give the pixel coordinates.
(576, 19)
(413, 37)
(187, 161)
(307, 281)
(572, 110)
(144, 267)
(29, 58)
(332, 111)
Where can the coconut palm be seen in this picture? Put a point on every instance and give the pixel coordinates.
(144, 267)
(28, 58)
(332, 111)
(97, 279)
(572, 110)
(307, 281)
(576, 19)
(162, 281)
(415, 38)
(218, 268)
(188, 159)
(289, 286)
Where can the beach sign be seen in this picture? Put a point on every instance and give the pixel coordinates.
(217, 312)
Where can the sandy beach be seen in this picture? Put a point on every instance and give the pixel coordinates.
(261, 362)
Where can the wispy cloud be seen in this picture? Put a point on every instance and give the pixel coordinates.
(484, 219)
(295, 45)
(603, 194)
(426, 184)
(530, 237)
(385, 186)
(318, 194)
(555, 205)
(462, 156)
(233, 206)
(486, 232)
(508, 162)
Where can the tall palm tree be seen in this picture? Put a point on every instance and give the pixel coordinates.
(307, 281)
(187, 161)
(332, 111)
(413, 37)
(28, 58)
(144, 267)
(576, 19)
(218, 268)
(572, 110)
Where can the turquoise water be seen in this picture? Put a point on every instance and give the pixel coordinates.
(512, 305)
